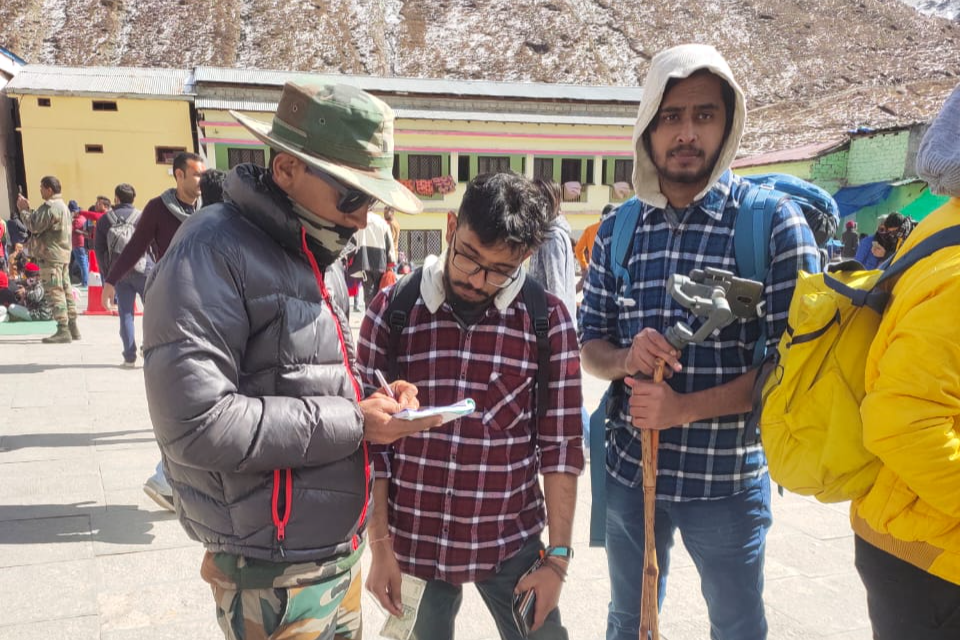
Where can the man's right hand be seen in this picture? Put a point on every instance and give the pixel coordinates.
(379, 425)
(647, 346)
(384, 579)
(107, 296)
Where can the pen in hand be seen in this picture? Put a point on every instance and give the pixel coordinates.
(384, 383)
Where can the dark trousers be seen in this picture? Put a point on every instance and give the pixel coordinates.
(904, 601)
(127, 290)
(82, 262)
(441, 602)
(371, 287)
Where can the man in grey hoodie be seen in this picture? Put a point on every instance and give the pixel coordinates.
(712, 481)
(553, 264)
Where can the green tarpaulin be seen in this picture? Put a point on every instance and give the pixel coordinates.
(924, 205)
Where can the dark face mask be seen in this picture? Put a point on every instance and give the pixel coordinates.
(888, 240)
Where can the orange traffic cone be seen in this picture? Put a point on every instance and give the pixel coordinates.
(95, 290)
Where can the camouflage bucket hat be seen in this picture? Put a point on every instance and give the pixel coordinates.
(341, 130)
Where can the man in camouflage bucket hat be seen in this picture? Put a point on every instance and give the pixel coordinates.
(251, 376)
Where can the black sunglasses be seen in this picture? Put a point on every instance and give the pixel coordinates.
(351, 199)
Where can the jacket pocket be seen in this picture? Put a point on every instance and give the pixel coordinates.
(507, 402)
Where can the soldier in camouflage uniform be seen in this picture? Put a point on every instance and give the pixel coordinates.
(251, 376)
(49, 245)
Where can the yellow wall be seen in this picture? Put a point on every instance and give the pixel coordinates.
(54, 140)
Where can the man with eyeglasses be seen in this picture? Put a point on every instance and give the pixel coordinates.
(462, 503)
(250, 370)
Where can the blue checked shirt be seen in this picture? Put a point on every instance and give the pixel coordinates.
(717, 457)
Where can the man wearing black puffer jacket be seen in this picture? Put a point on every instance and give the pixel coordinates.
(251, 376)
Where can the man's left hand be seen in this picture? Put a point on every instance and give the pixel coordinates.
(654, 405)
(22, 204)
(546, 583)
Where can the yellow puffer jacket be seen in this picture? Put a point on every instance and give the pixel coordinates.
(911, 413)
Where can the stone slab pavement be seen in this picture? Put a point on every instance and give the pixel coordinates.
(84, 554)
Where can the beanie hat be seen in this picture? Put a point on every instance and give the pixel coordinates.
(31, 269)
(73, 206)
(851, 224)
(938, 160)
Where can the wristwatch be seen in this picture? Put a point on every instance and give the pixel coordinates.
(559, 552)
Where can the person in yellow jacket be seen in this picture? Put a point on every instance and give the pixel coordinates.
(908, 525)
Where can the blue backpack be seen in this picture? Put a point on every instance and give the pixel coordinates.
(751, 251)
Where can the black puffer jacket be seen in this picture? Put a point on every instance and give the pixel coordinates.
(249, 367)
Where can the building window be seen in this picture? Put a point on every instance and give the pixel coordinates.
(493, 164)
(93, 148)
(245, 156)
(165, 155)
(104, 105)
(570, 170)
(396, 166)
(543, 168)
(43, 102)
(623, 171)
(417, 244)
(421, 167)
(463, 169)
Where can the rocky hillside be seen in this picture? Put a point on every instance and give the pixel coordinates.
(811, 68)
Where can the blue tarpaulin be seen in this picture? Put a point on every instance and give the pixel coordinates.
(852, 199)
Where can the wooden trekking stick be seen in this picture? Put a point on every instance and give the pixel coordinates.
(649, 610)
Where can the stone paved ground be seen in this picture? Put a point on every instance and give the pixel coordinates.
(84, 554)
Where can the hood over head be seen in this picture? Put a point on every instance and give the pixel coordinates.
(681, 62)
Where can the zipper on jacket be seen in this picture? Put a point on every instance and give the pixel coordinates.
(281, 504)
(346, 363)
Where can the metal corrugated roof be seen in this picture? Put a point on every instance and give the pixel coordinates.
(797, 154)
(434, 86)
(237, 105)
(114, 81)
(421, 114)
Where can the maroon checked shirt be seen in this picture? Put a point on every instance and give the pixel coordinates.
(465, 496)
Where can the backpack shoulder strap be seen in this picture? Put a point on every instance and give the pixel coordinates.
(113, 217)
(535, 299)
(134, 217)
(940, 240)
(625, 221)
(752, 229)
(751, 244)
(402, 298)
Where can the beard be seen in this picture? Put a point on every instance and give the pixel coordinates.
(460, 304)
(687, 177)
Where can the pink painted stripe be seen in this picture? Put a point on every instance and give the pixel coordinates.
(516, 152)
(254, 143)
(507, 134)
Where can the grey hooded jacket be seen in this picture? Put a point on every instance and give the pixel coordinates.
(251, 382)
(553, 265)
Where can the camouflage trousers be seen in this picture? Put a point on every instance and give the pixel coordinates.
(328, 610)
(58, 291)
